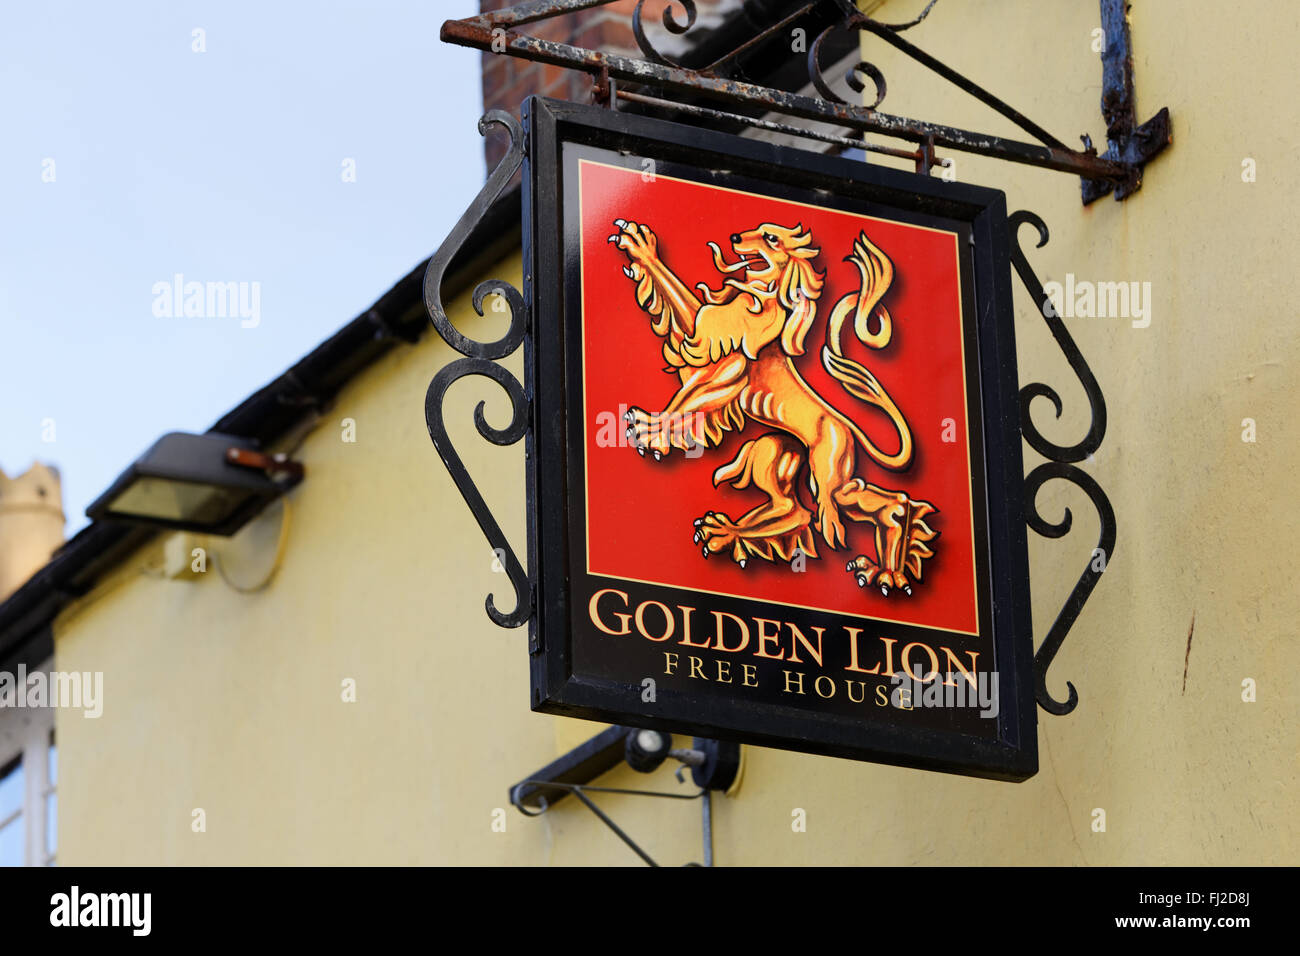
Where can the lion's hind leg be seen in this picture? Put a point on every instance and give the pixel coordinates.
(902, 535)
(777, 530)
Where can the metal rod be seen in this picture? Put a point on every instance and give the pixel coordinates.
(477, 33)
(574, 787)
(708, 828)
(577, 792)
(758, 38)
(888, 34)
(703, 111)
(520, 13)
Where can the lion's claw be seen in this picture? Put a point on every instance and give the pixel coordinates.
(867, 572)
(718, 534)
(643, 433)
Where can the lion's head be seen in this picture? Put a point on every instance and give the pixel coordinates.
(779, 285)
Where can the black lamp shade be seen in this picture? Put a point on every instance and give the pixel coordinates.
(186, 482)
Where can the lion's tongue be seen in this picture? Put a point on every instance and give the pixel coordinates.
(722, 266)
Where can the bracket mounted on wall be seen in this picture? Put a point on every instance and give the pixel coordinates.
(714, 765)
(665, 85)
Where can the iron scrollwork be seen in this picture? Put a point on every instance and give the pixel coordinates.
(481, 359)
(670, 24)
(1061, 465)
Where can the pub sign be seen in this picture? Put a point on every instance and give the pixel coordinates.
(775, 462)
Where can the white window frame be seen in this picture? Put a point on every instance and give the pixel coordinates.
(28, 732)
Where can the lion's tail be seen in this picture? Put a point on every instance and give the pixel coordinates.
(861, 384)
(877, 273)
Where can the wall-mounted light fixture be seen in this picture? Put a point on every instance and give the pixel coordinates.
(210, 483)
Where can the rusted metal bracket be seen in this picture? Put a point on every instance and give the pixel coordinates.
(1132, 145)
(661, 82)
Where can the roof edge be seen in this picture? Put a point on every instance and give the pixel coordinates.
(398, 317)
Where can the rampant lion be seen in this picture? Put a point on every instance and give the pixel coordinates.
(733, 354)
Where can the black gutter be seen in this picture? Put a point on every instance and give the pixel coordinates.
(398, 317)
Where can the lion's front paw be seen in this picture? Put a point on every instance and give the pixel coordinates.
(644, 434)
(868, 573)
(717, 533)
(639, 242)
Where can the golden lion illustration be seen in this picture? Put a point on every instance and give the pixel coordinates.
(734, 356)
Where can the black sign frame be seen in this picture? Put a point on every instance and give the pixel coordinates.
(556, 686)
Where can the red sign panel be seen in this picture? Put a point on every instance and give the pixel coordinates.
(829, 434)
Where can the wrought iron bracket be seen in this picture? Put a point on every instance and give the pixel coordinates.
(661, 82)
(481, 358)
(580, 791)
(713, 766)
(1060, 464)
(1133, 145)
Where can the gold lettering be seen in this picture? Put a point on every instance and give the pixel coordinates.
(719, 643)
(853, 653)
(787, 681)
(697, 666)
(797, 638)
(889, 656)
(970, 674)
(686, 628)
(934, 662)
(622, 618)
(669, 624)
(724, 672)
(670, 661)
(764, 637)
(746, 672)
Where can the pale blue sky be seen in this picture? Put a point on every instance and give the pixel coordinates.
(223, 166)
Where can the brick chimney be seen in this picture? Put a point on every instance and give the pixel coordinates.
(508, 80)
(31, 524)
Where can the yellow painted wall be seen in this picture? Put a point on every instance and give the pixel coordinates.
(231, 702)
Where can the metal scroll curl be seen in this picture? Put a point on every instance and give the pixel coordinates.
(1060, 465)
(670, 24)
(1097, 430)
(480, 360)
(853, 77)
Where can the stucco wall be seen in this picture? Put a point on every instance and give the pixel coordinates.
(231, 702)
